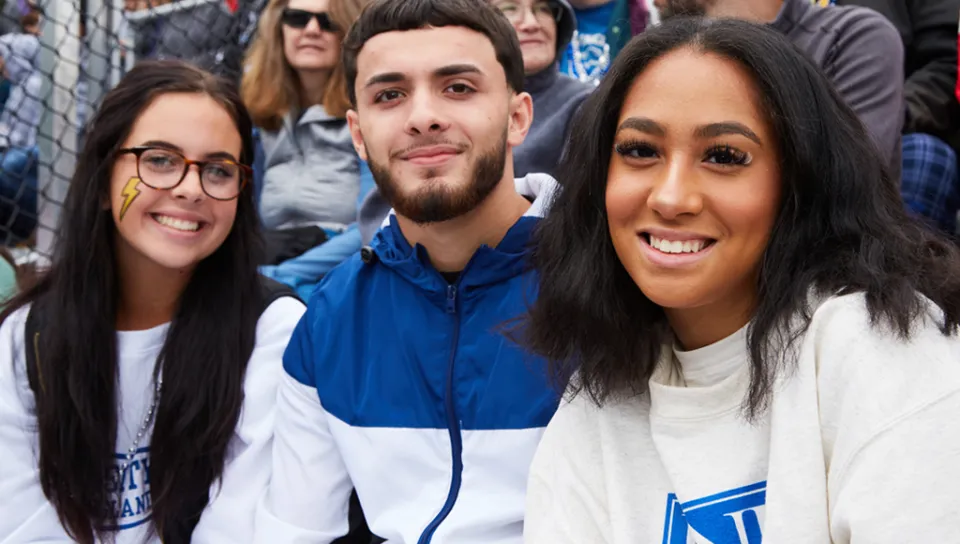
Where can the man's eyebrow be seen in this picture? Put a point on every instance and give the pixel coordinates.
(386, 77)
(443, 71)
(456, 70)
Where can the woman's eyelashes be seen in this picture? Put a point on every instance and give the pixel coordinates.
(727, 155)
(636, 149)
(718, 154)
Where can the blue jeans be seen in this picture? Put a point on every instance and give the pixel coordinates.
(304, 273)
(18, 194)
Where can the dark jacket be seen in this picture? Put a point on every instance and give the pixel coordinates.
(928, 29)
(556, 97)
(860, 52)
(205, 34)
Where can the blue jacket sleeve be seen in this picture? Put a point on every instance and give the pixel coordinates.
(298, 356)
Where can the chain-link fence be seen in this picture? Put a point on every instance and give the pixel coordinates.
(58, 59)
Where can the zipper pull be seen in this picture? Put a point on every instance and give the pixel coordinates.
(451, 299)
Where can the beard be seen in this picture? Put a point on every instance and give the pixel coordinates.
(684, 8)
(434, 201)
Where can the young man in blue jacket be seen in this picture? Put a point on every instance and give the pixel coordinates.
(398, 381)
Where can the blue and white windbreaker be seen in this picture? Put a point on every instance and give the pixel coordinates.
(403, 386)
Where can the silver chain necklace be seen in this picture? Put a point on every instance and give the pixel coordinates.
(147, 420)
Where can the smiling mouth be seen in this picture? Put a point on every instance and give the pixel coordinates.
(181, 225)
(676, 247)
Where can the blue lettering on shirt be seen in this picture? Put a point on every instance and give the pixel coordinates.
(730, 517)
(131, 503)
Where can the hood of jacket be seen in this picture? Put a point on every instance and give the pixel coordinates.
(488, 265)
(566, 26)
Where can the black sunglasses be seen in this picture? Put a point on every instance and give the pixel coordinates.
(299, 18)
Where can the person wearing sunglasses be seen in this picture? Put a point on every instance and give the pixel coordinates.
(309, 178)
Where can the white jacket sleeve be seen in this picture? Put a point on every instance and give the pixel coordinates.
(229, 515)
(565, 489)
(905, 485)
(890, 424)
(25, 513)
(309, 493)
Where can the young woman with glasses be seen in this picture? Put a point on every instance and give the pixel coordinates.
(138, 375)
(309, 177)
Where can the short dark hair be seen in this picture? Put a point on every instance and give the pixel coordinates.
(399, 15)
(841, 227)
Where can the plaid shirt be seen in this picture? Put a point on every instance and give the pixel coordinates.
(929, 183)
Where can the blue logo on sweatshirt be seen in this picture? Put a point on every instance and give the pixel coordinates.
(130, 491)
(730, 517)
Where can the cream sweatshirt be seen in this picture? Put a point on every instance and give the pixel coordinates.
(861, 444)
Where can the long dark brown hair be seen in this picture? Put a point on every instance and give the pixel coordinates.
(841, 227)
(204, 356)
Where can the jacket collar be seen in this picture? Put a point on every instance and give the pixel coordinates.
(488, 265)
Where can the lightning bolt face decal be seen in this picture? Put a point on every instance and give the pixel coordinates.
(129, 193)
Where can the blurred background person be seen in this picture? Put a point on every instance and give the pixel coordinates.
(19, 123)
(544, 28)
(308, 173)
(603, 28)
(931, 127)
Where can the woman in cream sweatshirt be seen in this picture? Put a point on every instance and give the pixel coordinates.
(759, 343)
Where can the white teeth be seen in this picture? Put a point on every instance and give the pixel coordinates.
(687, 246)
(179, 224)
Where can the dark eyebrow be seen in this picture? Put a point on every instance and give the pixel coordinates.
(456, 70)
(163, 144)
(215, 156)
(387, 77)
(729, 127)
(642, 124)
(444, 71)
(221, 156)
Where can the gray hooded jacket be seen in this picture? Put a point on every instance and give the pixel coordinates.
(556, 98)
(21, 114)
(311, 173)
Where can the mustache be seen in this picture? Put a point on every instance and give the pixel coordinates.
(427, 142)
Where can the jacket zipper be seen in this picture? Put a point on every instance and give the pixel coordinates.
(453, 426)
